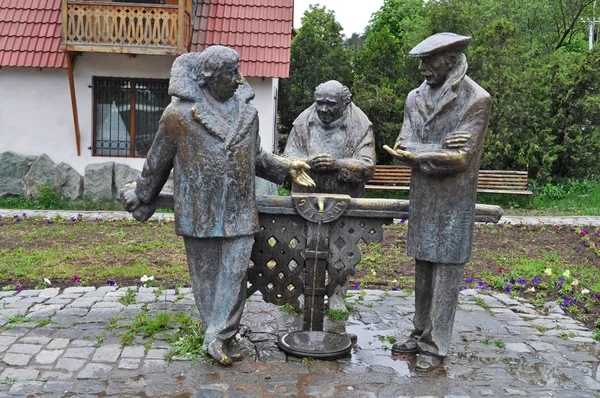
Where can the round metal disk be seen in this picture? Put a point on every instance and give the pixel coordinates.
(320, 345)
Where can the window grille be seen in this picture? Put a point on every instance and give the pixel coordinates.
(126, 115)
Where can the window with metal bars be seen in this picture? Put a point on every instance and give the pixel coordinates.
(126, 114)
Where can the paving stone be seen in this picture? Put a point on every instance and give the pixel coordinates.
(129, 363)
(41, 340)
(47, 357)
(58, 387)
(19, 374)
(133, 352)
(8, 340)
(25, 388)
(78, 290)
(70, 364)
(29, 349)
(49, 292)
(79, 352)
(58, 343)
(16, 359)
(157, 354)
(54, 375)
(517, 347)
(154, 366)
(95, 371)
(107, 353)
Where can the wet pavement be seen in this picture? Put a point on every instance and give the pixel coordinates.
(63, 343)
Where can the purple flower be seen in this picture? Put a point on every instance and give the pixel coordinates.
(76, 279)
(464, 288)
(73, 218)
(49, 222)
(24, 215)
(480, 284)
(17, 219)
(537, 279)
(468, 280)
(17, 287)
(522, 281)
(394, 288)
(356, 286)
(111, 283)
(507, 290)
(403, 221)
(584, 232)
(512, 281)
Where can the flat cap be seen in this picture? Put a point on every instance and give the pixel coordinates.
(440, 42)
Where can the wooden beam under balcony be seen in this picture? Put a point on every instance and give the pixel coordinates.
(131, 28)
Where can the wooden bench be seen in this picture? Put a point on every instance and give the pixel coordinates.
(490, 181)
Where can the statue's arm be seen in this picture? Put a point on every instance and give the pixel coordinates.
(293, 148)
(268, 165)
(459, 147)
(159, 161)
(361, 167)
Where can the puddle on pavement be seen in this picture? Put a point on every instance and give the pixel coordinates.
(373, 351)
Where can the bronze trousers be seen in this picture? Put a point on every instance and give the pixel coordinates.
(436, 297)
(218, 269)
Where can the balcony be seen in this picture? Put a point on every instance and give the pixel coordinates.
(130, 28)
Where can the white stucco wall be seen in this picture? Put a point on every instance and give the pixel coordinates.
(35, 106)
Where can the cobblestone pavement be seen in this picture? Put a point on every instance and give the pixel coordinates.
(63, 343)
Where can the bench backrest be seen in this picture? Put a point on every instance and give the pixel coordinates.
(489, 180)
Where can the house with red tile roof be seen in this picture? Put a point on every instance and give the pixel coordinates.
(86, 81)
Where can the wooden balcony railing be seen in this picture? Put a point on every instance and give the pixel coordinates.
(133, 28)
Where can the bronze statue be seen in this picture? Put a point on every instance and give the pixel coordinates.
(445, 122)
(209, 137)
(336, 139)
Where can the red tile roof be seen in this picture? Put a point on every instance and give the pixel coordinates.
(259, 30)
(30, 34)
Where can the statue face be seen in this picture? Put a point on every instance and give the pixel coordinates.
(435, 69)
(329, 106)
(222, 85)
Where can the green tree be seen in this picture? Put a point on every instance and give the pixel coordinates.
(317, 55)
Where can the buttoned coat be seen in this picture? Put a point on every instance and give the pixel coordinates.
(214, 164)
(443, 185)
(349, 140)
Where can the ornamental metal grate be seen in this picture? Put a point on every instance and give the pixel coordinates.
(126, 115)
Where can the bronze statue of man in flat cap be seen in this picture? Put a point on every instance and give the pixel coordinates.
(209, 137)
(336, 139)
(445, 122)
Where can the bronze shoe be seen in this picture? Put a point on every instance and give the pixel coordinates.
(427, 363)
(233, 350)
(408, 347)
(216, 350)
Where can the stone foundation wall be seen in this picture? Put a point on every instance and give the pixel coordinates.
(27, 175)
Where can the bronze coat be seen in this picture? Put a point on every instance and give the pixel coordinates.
(214, 164)
(349, 140)
(443, 185)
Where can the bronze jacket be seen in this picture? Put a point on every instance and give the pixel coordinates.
(349, 140)
(214, 163)
(443, 184)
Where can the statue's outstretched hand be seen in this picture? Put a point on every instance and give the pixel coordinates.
(400, 153)
(298, 174)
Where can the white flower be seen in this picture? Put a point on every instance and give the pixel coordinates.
(548, 271)
(531, 289)
(584, 291)
(567, 273)
(575, 282)
(144, 278)
(395, 281)
(47, 281)
(151, 278)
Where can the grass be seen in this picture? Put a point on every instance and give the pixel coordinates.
(128, 298)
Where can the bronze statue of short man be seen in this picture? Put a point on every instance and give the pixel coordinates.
(209, 137)
(336, 139)
(445, 123)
